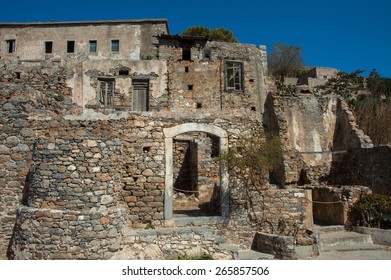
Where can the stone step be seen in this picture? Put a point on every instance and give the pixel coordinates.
(253, 255)
(326, 229)
(357, 247)
(343, 238)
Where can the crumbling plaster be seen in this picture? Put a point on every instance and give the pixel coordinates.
(30, 38)
(87, 72)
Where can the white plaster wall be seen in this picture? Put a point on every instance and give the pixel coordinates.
(311, 128)
(30, 41)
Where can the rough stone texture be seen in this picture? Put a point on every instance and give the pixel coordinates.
(71, 210)
(373, 170)
(67, 234)
(75, 174)
(171, 243)
(331, 203)
(282, 247)
(198, 84)
(61, 197)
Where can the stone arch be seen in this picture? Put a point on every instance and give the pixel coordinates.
(169, 134)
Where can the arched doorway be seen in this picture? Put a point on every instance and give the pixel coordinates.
(169, 134)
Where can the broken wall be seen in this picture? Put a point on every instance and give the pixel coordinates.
(364, 166)
(316, 130)
(88, 73)
(199, 82)
(306, 124)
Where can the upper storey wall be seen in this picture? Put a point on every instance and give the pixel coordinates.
(211, 75)
(118, 40)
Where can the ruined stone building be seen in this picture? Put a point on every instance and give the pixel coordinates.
(111, 133)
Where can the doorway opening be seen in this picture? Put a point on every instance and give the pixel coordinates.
(196, 181)
(196, 177)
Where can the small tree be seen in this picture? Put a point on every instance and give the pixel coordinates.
(249, 160)
(285, 60)
(221, 33)
(369, 211)
(345, 85)
(379, 86)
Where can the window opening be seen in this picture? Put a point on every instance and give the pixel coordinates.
(49, 47)
(198, 105)
(70, 46)
(215, 146)
(186, 53)
(234, 75)
(187, 69)
(115, 45)
(11, 46)
(123, 72)
(140, 95)
(106, 92)
(93, 46)
(190, 87)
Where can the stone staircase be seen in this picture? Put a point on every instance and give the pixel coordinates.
(337, 243)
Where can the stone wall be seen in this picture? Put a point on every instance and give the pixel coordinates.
(16, 138)
(282, 211)
(285, 247)
(72, 209)
(46, 85)
(364, 166)
(331, 203)
(315, 130)
(171, 243)
(199, 83)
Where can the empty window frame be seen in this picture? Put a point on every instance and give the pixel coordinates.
(234, 75)
(106, 92)
(48, 47)
(11, 45)
(115, 45)
(93, 46)
(70, 46)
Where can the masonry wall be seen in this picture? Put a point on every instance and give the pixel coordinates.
(199, 84)
(315, 131)
(71, 210)
(136, 39)
(276, 211)
(365, 166)
(331, 204)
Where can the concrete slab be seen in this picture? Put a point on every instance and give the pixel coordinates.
(253, 255)
(355, 255)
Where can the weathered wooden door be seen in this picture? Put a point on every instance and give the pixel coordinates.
(140, 95)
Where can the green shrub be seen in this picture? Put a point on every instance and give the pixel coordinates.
(370, 211)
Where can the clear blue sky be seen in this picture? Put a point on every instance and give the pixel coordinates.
(349, 35)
